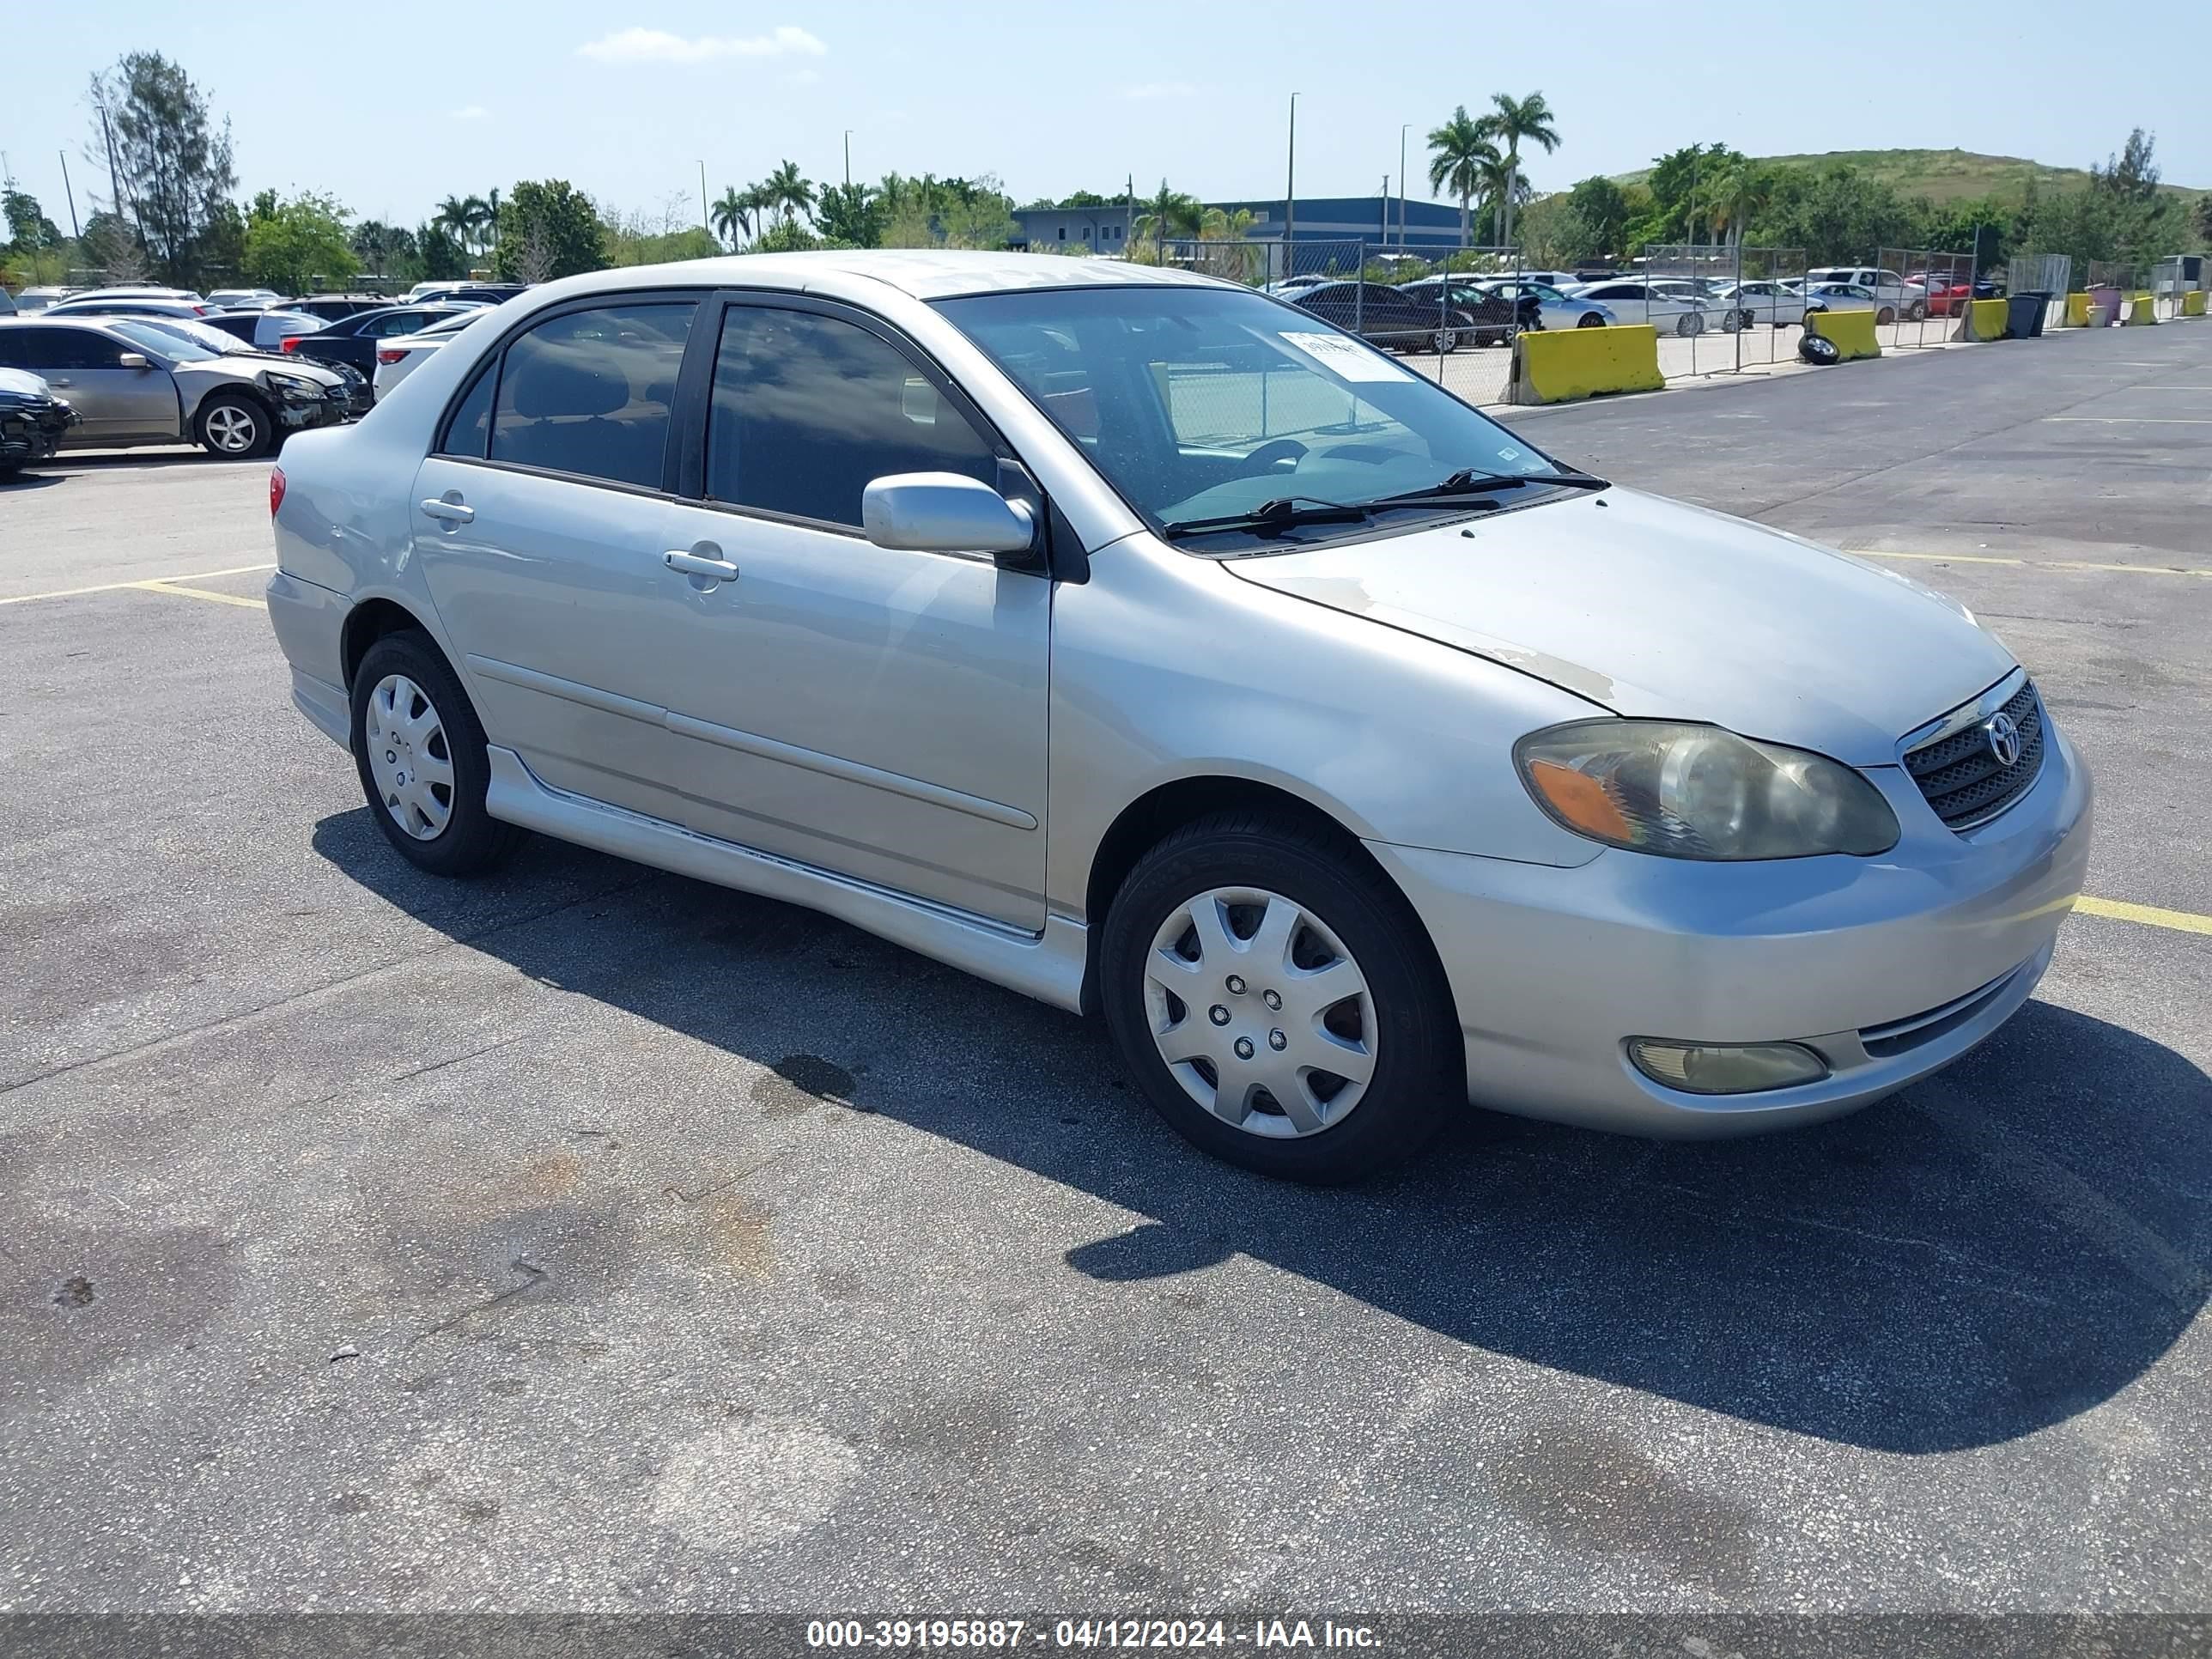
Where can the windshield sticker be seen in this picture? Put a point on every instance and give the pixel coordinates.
(1347, 358)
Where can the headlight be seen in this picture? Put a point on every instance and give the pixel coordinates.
(1697, 792)
(292, 385)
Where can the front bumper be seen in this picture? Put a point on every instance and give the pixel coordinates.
(32, 429)
(301, 414)
(1889, 968)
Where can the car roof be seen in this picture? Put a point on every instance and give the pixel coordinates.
(921, 273)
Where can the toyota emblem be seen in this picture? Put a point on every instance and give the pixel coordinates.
(2004, 733)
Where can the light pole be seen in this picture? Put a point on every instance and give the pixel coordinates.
(703, 223)
(1291, 188)
(1402, 132)
(848, 158)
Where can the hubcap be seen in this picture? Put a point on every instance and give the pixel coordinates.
(1260, 1013)
(408, 757)
(231, 426)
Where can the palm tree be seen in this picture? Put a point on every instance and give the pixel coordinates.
(491, 216)
(478, 213)
(452, 218)
(1733, 197)
(1170, 213)
(789, 191)
(1529, 117)
(1459, 150)
(1496, 183)
(734, 214)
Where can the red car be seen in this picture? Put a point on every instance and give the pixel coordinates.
(1946, 296)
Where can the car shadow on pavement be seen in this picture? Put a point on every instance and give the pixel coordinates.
(30, 480)
(1989, 1254)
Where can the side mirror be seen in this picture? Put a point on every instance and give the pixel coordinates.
(134, 360)
(944, 513)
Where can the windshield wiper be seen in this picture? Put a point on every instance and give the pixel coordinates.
(1467, 481)
(1280, 513)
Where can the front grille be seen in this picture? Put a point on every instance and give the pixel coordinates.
(1961, 775)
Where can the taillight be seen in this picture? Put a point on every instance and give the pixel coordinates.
(201, 310)
(390, 355)
(276, 490)
(291, 342)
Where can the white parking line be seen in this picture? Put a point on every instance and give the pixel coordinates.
(2131, 420)
(2038, 564)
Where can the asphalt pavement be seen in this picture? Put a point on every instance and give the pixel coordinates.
(585, 1237)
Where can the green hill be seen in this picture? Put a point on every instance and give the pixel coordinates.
(1942, 175)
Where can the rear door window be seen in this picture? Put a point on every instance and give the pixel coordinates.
(588, 392)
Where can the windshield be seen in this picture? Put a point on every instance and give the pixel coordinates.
(178, 328)
(174, 347)
(1203, 403)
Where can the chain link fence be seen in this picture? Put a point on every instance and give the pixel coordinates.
(2172, 280)
(1919, 294)
(2042, 273)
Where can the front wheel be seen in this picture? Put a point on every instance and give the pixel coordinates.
(1277, 1000)
(1589, 319)
(420, 751)
(234, 426)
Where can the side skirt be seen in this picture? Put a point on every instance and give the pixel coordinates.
(1049, 966)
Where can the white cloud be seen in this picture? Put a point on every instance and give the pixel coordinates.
(802, 78)
(659, 47)
(472, 113)
(1153, 89)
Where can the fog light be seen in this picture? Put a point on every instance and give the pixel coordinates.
(1703, 1068)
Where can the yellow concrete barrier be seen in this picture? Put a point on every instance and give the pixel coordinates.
(2142, 308)
(1986, 319)
(1851, 332)
(2077, 311)
(1558, 365)
(2192, 303)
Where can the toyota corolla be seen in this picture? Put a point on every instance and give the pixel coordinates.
(1155, 648)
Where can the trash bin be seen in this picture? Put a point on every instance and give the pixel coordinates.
(2024, 316)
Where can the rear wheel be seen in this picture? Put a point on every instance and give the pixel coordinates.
(233, 425)
(421, 753)
(1689, 323)
(1277, 1001)
(1917, 312)
(1886, 316)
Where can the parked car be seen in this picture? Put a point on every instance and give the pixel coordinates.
(32, 421)
(1849, 296)
(484, 292)
(1632, 300)
(334, 308)
(39, 298)
(244, 299)
(265, 330)
(1890, 290)
(139, 291)
(360, 397)
(911, 587)
(133, 385)
(1543, 306)
(1779, 304)
(1486, 302)
(355, 339)
(399, 356)
(1387, 316)
(128, 305)
(1946, 296)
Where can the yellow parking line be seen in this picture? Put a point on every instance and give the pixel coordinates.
(2039, 564)
(2182, 921)
(199, 593)
(116, 588)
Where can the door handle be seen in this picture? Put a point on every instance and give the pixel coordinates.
(691, 564)
(448, 512)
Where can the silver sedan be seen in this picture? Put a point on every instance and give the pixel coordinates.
(1153, 648)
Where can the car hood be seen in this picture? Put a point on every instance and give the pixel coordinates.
(1656, 609)
(248, 368)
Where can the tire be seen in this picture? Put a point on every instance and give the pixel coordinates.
(1589, 319)
(1885, 316)
(1444, 341)
(1237, 866)
(443, 829)
(1917, 312)
(1689, 323)
(235, 427)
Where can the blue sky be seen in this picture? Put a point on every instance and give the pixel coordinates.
(391, 109)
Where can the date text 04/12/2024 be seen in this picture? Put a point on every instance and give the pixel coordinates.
(1085, 1634)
